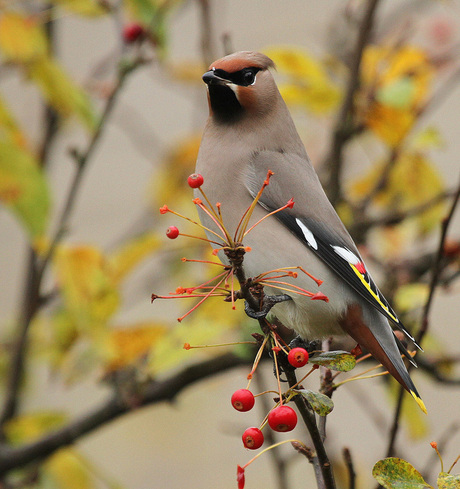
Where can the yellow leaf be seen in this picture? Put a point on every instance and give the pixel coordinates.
(88, 285)
(23, 188)
(67, 471)
(21, 38)
(297, 63)
(308, 84)
(125, 259)
(413, 180)
(395, 86)
(199, 328)
(389, 124)
(9, 129)
(28, 427)
(61, 91)
(448, 481)
(410, 296)
(61, 333)
(89, 8)
(429, 138)
(132, 343)
(318, 98)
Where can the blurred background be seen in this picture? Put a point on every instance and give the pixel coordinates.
(101, 111)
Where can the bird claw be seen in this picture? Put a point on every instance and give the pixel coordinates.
(310, 346)
(268, 302)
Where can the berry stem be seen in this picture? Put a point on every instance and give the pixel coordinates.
(202, 300)
(269, 448)
(257, 358)
(244, 221)
(360, 377)
(190, 347)
(277, 371)
(212, 214)
(289, 204)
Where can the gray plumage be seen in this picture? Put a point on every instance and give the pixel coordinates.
(250, 131)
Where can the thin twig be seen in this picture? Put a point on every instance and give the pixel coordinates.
(309, 419)
(153, 392)
(326, 479)
(313, 459)
(32, 299)
(435, 277)
(344, 128)
(207, 45)
(350, 468)
(361, 227)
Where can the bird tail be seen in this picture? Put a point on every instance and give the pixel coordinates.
(377, 337)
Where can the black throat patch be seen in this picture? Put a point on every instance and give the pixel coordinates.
(224, 104)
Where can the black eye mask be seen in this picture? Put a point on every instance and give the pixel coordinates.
(244, 77)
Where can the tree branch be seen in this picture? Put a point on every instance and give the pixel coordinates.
(113, 408)
(344, 128)
(436, 273)
(36, 268)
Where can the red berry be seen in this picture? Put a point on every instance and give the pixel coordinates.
(282, 418)
(195, 180)
(132, 32)
(253, 438)
(243, 400)
(298, 357)
(172, 232)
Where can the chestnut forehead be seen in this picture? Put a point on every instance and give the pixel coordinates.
(234, 65)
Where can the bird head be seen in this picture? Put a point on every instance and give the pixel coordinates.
(240, 85)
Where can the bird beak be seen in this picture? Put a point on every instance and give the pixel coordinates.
(210, 78)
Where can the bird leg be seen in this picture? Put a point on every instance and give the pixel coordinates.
(268, 302)
(310, 346)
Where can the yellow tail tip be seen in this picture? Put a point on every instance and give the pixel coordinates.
(419, 402)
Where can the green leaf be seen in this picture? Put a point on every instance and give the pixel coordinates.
(396, 473)
(398, 94)
(61, 91)
(410, 296)
(29, 427)
(448, 481)
(88, 8)
(142, 10)
(320, 403)
(23, 188)
(335, 360)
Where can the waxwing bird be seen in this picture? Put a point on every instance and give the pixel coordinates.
(250, 131)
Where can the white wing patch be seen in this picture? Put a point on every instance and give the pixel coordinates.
(308, 234)
(346, 254)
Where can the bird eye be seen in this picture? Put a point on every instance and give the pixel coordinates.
(249, 77)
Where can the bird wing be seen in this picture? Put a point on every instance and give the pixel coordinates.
(328, 238)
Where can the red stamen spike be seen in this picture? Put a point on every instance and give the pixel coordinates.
(319, 296)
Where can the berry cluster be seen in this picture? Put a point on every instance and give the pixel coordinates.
(282, 418)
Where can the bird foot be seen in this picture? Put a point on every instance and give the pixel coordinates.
(268, 302)
(310, 346)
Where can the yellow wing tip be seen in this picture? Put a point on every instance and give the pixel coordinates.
(420, 403)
